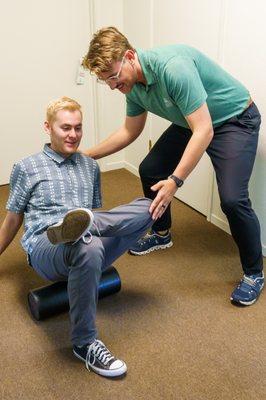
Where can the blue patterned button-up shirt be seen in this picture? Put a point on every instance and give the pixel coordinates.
(45, 186)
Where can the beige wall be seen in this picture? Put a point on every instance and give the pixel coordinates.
(138, 30)
(41, 43)
(109, 105)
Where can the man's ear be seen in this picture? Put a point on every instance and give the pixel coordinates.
(130, 55)
(47, 127)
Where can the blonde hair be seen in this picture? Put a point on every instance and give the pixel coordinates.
(63, 103)
(107, 45)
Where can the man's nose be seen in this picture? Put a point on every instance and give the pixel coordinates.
(72, 132)
(113, 85)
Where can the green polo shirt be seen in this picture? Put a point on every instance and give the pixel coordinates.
(179, 80)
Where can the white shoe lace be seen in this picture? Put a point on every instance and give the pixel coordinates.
(249, 281)
(145, 238)
(99, 352)
(87, 240)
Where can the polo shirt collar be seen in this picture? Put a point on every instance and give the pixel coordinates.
(57, 157)
(146, 68)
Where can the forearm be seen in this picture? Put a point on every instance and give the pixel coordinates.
(115, 142)
(129, 131)
(193, 153)
(9, 230)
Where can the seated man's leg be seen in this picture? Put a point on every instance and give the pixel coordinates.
(125, 220)
(82, 269)
(120, 227)
(81, 264)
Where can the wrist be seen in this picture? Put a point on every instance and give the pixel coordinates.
(178, 182)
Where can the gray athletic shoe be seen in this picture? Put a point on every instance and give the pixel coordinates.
(74, 225)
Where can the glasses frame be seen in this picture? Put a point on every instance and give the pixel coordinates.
(114, 78)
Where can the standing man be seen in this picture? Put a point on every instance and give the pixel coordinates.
(54, 191)
(209, 111)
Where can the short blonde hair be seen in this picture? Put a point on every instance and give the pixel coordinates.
(63, 103)
(107, 46)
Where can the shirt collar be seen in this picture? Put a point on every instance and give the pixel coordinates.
(57, 157)
(146, 66)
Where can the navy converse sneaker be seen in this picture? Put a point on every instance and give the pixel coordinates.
(248, 290)
(99, 359)
(152, 241)
(74, 225)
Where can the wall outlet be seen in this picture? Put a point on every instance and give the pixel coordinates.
(80, 78)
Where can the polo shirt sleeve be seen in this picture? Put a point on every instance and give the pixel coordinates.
(133, 109)
(20, 190)
(97, 195)
(184, 84)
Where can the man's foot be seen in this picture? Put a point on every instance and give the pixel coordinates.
(248, 290)
(152, 241)
(98, 358)
(74, 225)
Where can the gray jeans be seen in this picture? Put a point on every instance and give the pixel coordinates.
(82, 264)
(232, 152)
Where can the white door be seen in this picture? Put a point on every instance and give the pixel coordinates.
(196, 24)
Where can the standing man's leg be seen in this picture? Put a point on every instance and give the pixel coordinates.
(158, 165)
(233, 152)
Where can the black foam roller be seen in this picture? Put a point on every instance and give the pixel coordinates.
(51, 300)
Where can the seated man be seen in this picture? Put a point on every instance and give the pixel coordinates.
(54, 190)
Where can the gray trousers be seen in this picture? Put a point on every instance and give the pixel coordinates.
(232, 152)
(82, 264)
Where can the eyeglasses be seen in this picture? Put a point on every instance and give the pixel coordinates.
(114, 78)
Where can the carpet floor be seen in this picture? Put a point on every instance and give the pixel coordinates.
(172, 322)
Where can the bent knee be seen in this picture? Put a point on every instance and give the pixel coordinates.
(144, 201)
(142, 205)
(232, 204)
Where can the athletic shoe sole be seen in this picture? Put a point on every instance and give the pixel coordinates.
(159, 247)
(246, 303)
(243, 303)
(73, 227)
(103, 372)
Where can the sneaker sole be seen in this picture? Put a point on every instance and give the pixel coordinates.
(110, 374)
(244, 303)
(247, 303)
(74, 225)
(159, 247)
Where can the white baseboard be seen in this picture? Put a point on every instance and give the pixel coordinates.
(225, 227)
(131, 168)
(220, 223)
(264, 250)
(109, 166)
